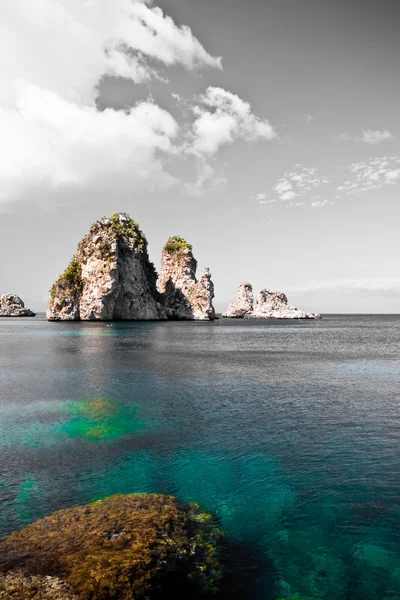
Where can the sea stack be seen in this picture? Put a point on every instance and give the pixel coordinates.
(12, 306)
(243, 306)
(110, 277)
(183, 297)
(269, 305)
(274, 305)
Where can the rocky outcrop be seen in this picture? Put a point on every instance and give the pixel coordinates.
(109, 278)
(12, 306)
(269, 305)
(138, 546)
(243, 306)
(274, 305)
(183, 297)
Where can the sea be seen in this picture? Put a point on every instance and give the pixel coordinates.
(288, 431)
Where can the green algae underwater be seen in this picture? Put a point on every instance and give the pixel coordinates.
(288, 434)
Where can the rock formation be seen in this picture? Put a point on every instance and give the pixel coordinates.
(270, 305)
(109, 278)
(12, 306)
(243, 306)
(182, 295)
(142, 546)
(274, 305)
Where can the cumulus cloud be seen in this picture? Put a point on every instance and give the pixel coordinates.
(222, 117)
(370, 175)
(297, 186)
(368, 136)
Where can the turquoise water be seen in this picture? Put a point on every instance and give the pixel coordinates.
(289, 432)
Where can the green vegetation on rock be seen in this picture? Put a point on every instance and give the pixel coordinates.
(123, 225)
(70, 282)
(176, 244)
(133, 546)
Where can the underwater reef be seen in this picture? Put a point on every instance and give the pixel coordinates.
(133, 546)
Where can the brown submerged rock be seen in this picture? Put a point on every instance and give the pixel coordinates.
(243, 306)
(12, 306)
(133, 546)
(17, 586)
(109, 278)
(182, 295)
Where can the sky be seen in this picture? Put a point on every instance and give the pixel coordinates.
(267, 134)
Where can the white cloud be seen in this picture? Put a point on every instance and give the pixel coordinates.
(375, 137)
(309, 118)
(370, 175)
(66, 47)
(53, 54)
(52, 142)
(52, 133)
(368, 136)
(221, 118)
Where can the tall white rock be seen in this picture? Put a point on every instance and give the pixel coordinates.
(109, 278)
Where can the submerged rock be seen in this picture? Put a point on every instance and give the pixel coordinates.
(269, 305)
(12, 306)
(109, 278)
(17, 586)
(243, 306)
(274, 305)
(126, 546)
(182, 295)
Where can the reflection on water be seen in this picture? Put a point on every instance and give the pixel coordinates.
(289, 432)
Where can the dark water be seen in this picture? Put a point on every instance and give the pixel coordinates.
(289, 431)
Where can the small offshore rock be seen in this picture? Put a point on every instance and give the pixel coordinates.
(12, 306)
(243, 306)
(274, 305)
(183, 297)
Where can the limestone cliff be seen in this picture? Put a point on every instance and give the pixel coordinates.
(243, 306)
(12, 306)
(182, 295)
(269, 305)
(109, 278)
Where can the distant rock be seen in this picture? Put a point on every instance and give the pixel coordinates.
(243, 306)
(269, 305)
(183, 297)
(12, 306)
(274, 305)
(109, 278)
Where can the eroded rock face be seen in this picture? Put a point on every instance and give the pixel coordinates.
(183, 297)
(274, 305)
(243, 306)
(12, 306)
(109, 278)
